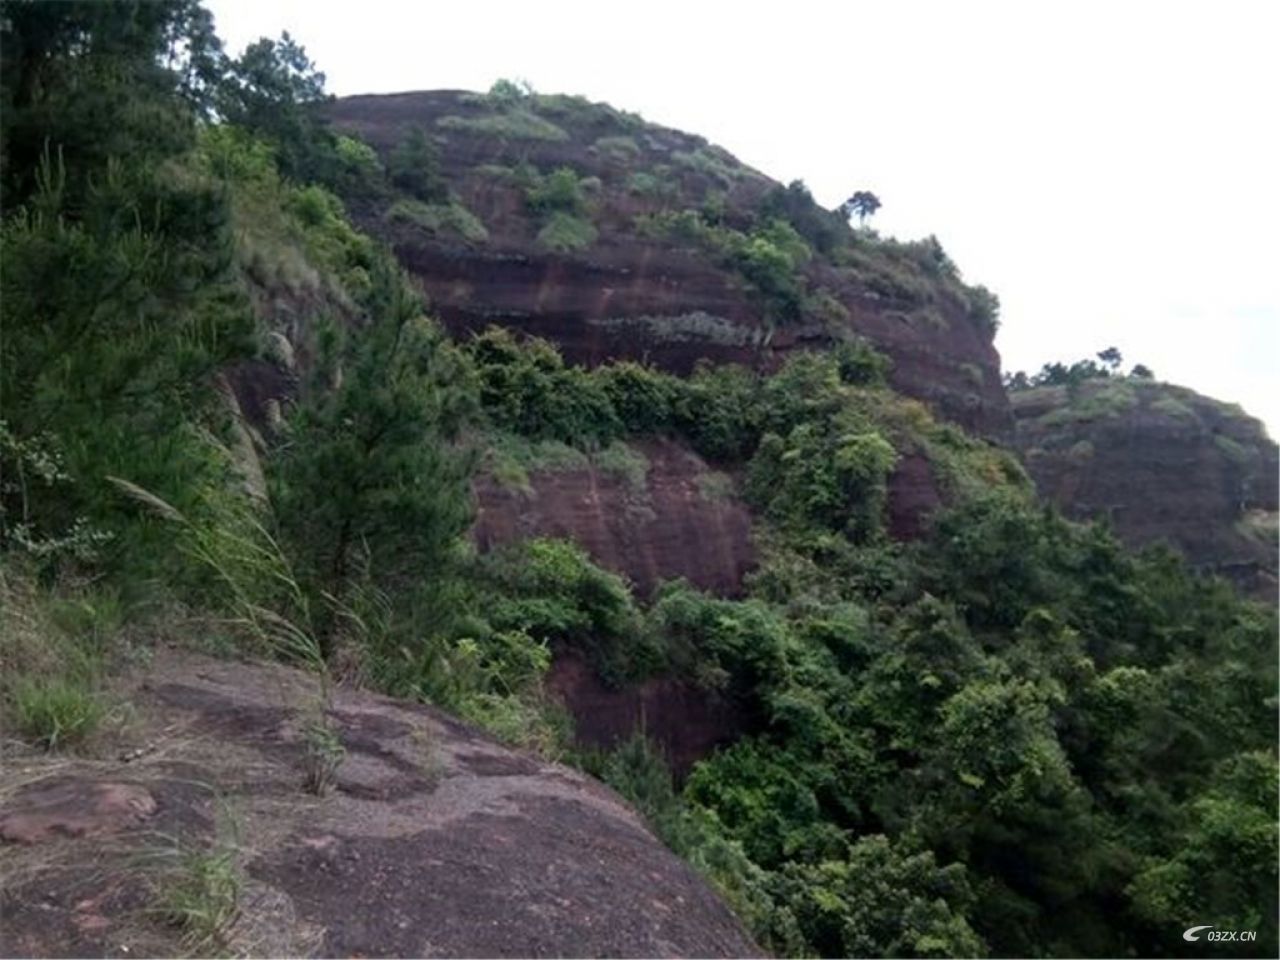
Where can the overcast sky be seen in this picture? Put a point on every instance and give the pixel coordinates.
(1111, 171)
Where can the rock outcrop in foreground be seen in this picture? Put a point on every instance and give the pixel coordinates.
(1162, 463)
(435, 841)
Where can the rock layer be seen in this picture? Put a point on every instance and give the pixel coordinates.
(683, 521)
(1162, 463)
(629, 295)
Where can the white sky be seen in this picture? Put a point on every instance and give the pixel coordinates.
(1111, 171)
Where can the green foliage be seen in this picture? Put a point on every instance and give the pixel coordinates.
(643, 398)
(628, 463)
(514, 124)
(198, 888)
(862, 204)
(558, 192)
(709, 162)
(861, 364)
(442, 219)
(270, 92)
(718, 412)
(552, 591)
(559, 201)
(414, 167)
(623, 148)
(55, 711)
(984, 308)
(1224, 866)
(824, 230)
(565, 233)
(526, 388)
(646, 184)
(812, 478)
(91, 82)
(366, 480)
(323, 754)
(770, 258)
(881, 901)
(116, 318)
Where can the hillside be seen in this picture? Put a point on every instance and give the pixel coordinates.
(1162, 464)
(367, 569)
(585, 225)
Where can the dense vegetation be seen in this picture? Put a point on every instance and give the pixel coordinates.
(1012, 737)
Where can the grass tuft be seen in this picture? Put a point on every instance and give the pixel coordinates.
(55, 711)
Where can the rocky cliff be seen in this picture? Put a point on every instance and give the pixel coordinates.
(189, 832)
(616, 280)
(1162, 463)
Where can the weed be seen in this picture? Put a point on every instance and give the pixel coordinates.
(323, 754)
(197, 889)
(55, 711)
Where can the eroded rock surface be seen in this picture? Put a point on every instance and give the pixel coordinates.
(682, 521)
(1162, 463)
(73, 807)
(629, 295)
(435, 841)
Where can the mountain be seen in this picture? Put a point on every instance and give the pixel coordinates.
(583, 224)
(1160, 463)
(275, 547)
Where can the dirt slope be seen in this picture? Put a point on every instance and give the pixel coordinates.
(435, 842)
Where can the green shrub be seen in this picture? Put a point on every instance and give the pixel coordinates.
(1171, 406)
(560, 191)
(822, 306)
(718, 412)
(565, 233)
(510, 458)
(984, 308)
(833, 481)
(620, 148)
(861, 364)
(445, 220)
(551, 590)
(526, 388)
(1232, 449)
(656, 184)
(628, 463)
(825, 230)
(643, 398)
(198, 888)
(710, 162)
(516, 124)
(715, 487)
(413, 166)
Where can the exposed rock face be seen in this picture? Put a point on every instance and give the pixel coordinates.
(435, 841)
(74, 808)
(629, 295)
(1163, 463)
(687, 721)
(683, 522)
